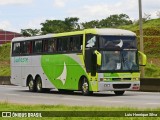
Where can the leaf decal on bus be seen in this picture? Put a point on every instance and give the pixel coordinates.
(63, 71)
(63, 76)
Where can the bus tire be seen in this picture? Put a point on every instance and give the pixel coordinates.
(85, 87)
(119, 93)
(39, 84)
(31, 84)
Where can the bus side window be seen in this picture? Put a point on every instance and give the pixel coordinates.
(79, 42)
(52, 45)
(45, 45)
(38, 46)
(65, 44)
(59, 44)
(76, 43)
(62, 44)
(16, 48)
(26, 47)
(70, 44)
(29, 47)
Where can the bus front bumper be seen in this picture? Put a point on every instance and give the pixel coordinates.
(118, 86)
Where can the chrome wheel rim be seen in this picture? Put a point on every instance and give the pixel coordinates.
(39, 86)
(85, 87)
(31, 84)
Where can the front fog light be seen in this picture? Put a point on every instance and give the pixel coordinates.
(106, 85)
(135, 84)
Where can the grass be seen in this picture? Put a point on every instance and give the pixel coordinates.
(5, 71)
(152, 71)
(5, 52)
(154, 23)
(5, 106)
(5, 60)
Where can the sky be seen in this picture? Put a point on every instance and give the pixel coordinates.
(23, 14)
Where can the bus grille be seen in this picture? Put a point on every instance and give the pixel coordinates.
(119, 86)
(118, 79)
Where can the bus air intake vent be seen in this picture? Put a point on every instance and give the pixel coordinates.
(120, 86)
(117, 79)
(126, 78)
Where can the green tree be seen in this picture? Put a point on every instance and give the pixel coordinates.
(58, 26)
(91, 24)
(116, 21)
(72, 23)
(30, 32)
(53, 26)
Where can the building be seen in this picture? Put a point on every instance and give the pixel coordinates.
(7, 36)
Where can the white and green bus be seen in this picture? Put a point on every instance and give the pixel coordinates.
(90, 60)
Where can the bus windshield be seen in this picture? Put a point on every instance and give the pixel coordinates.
(125, 60)
(112, 42)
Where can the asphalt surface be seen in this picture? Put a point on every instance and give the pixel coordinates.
(17, 94)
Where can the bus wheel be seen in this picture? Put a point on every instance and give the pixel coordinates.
(119, 92)
(39, 85)
(31, 85)
(85, 87)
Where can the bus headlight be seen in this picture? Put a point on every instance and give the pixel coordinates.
(104, 79)
(106, 85)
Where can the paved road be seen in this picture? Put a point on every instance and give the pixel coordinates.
(17, 94)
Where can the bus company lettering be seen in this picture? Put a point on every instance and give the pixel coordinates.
(21, 60)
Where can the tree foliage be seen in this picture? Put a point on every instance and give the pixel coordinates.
(72, 24)
(57, 26)
(30, 32)
(91, 24)
(116, 21)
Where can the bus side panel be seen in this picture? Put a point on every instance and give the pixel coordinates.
(16, 71)
(27, 69)
(64, 71)
(37, 70)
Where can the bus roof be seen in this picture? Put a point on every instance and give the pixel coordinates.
(111, 31)
(32, 38)
(96, 31)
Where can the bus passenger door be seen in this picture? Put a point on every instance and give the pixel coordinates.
(90, 62)
(91, 68)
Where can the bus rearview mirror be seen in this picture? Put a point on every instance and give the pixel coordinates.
(99, 57)
(143, 59)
